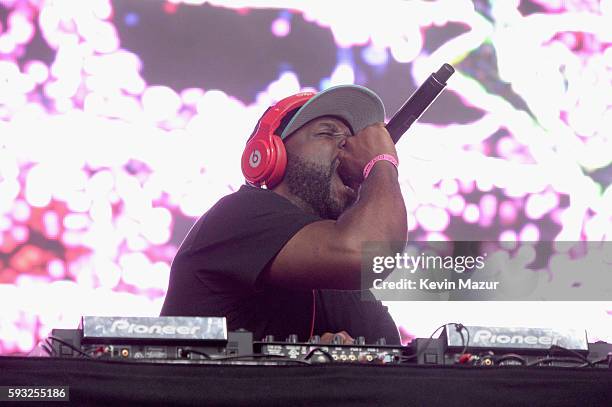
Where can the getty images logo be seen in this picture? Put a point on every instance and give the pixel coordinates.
(487, 338)
(124, 327)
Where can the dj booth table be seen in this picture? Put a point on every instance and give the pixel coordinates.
(95, 382)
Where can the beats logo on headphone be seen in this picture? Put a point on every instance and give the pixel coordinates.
(255, 158)
(264, 158)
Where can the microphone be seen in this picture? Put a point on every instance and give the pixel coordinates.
(418, 102)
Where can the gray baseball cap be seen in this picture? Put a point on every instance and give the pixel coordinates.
(356, 105)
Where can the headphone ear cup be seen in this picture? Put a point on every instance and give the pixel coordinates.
(264, 158)
(280, 162)
(257, 160)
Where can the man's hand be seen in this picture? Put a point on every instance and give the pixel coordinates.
(360, 149)
(342, 338)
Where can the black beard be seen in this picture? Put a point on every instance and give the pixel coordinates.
(312, 183)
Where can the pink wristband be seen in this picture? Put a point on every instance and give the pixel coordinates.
(382, 157)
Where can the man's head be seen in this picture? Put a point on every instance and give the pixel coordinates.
(312, 166)
(313, 134)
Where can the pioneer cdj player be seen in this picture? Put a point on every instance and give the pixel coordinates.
(151, 338)
(503, 346)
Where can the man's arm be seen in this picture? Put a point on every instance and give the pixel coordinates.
(327, 254)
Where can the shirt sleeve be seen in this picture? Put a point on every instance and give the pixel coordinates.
(241, 234)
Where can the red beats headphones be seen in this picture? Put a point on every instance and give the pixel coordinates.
(264, 158)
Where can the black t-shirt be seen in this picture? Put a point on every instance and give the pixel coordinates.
(216, 268)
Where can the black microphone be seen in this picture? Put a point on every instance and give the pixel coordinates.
(418, 102)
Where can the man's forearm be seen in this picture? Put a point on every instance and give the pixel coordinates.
(380, 212)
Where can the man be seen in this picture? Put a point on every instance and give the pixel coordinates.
(287, 259)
